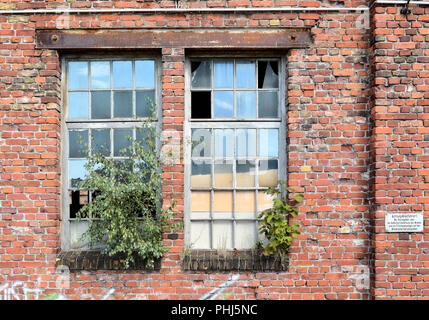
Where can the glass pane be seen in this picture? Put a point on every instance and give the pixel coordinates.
(245, 201)
(268, 142)
(224, 143)
(265, 201)
(100, 105)
(145, 103)
(78, 105)
(201, 142)
(201, 174)
(268, 173)
(223, 74)
(77, 229)
(78, 144)
(201, 74)
(222, 235)
(245, 234)
(223, 175)
(200, 201)
(245, 173)
(121, 140)
(246, 104)
(268, 74)
(123, 104)
(122, 74)
(245, 74)
(78, 75)
(201, 105)
(100, 74)
(77, 172)
(223, 104)
(145, 74)
(200, 235)
(267, 104)
(101, 141)
(222, 201)
(77, 199)
(246, 142)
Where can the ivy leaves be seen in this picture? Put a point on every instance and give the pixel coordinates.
(274, 224)
(126, 214)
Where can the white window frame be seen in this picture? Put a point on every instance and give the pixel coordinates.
(257, 123)
(112, 123)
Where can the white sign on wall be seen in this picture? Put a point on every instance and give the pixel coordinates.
(404, 222)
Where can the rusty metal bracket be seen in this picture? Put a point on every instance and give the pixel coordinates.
(273, 38)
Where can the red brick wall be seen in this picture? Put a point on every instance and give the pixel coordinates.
(399, 116)
(356, 148)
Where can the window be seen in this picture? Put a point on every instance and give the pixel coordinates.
(106, 101)
(235, 121)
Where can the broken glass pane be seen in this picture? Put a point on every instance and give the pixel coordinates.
(201, 74)
(268, 74)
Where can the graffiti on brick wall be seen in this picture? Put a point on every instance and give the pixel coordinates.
(19, 291)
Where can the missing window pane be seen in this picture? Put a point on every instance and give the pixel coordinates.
(77, 199)
(201, 105)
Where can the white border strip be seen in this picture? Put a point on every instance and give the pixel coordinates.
(181, 10)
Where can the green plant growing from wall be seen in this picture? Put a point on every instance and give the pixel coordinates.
(274, 224)
(126, 214)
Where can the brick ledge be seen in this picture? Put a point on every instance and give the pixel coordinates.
(95, 260)
(222, 260)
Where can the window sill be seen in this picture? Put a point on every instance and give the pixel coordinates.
(240, 260)
(95, 260)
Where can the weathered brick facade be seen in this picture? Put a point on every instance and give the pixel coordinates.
(357, 138)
